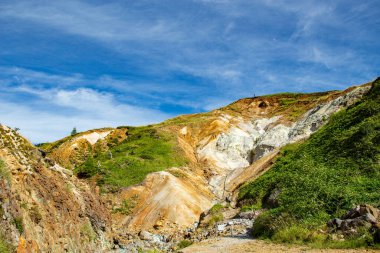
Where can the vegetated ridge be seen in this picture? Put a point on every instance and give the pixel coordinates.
(311, 182)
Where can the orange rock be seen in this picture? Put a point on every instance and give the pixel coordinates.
(27, 246)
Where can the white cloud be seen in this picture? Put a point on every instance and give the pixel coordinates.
(91, 110)
(52, 112)
(106, 22)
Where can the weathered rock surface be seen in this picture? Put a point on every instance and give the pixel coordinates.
(172, 203)
(246, 141)
(43, 208)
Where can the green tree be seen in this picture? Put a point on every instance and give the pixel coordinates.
(74, 131)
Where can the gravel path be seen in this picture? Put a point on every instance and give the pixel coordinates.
(239, 245)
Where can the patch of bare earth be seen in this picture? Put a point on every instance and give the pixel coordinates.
(239, 245)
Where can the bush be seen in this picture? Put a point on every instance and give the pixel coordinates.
(216, 214)
(87, 231)
(184, 243)
(19, 224)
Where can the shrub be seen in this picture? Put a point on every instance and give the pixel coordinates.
(214, 219)
(35, 215)
(292, 234)
(184, 243)
(17, 221)
(217, 208)
(87, 231)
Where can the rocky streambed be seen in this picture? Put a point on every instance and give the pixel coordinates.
(238, 226)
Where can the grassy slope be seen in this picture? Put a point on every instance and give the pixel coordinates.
(145, 150)
(4, 174)
(337, 168)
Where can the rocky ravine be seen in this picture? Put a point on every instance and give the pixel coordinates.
(225, 149)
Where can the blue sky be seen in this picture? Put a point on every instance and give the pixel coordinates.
(93, 64)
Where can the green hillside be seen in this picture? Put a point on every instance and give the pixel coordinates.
(322, 178)
(144, 151)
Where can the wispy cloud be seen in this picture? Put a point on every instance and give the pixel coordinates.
(167, 57)
(106, 22)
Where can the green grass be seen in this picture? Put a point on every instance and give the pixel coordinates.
(217, 208)
(126, 206)
(216, 215)
(4, 171)
(5, 247)
(144, 151)
(322, 178)
(87, 231)
(184, 243)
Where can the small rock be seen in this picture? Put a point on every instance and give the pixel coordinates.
(335, 223)
(221, 227)
(271, 201)
(146, 236)
(157, 225)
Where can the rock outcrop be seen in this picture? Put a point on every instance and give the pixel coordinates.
(43, 207)
(247, 140)
(361, 216)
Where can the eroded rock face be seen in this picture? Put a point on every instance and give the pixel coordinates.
(167, 202)
(248, 141)
(44, 208)
(245, 142)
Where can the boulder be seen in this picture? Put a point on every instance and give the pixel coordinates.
(146, 236)
(334, 223)
(360, 216)
(251, 215)
(271, 200)
(361, 210)
(376, 232)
